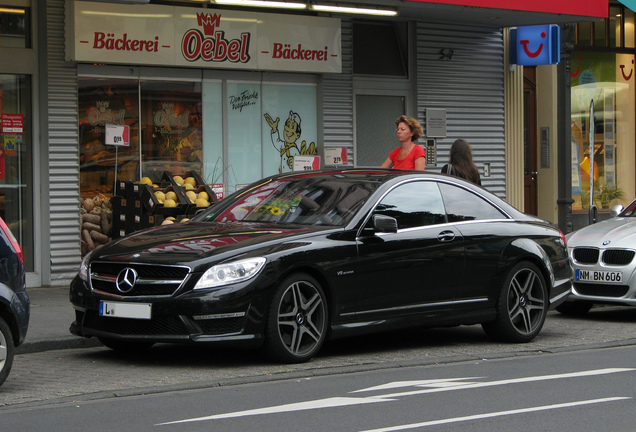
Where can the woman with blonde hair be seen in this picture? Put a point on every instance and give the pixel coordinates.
(461, 162)
(409, 155)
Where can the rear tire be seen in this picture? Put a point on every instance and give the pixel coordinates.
(7, 350)
(125, 345)
(575, 309)
(522, 305)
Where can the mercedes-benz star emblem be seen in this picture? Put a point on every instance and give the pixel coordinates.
(126, 280)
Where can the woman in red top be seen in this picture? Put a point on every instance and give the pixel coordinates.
(409, 155)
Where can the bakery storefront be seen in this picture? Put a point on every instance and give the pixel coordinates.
(225, 96)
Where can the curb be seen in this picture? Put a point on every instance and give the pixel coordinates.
(56, 344)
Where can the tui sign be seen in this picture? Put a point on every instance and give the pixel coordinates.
(535, 45)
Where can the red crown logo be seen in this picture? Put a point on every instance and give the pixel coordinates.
(209, 22)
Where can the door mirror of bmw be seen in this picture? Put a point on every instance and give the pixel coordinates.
(616, 210)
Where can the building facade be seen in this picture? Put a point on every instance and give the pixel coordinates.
(235, 94)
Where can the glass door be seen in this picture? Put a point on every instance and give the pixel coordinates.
(16, 151)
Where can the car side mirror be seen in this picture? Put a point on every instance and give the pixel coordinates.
(616, 210)
(386, 224)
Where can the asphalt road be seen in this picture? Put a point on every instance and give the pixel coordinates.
(83, 374)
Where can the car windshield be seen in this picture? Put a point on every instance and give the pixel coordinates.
(308, 200)
(630, 211)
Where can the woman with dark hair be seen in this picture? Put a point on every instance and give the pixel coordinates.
(461, 162)
(409, 155)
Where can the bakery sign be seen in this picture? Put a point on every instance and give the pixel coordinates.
(202, 38)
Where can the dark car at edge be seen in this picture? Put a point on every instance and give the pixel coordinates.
(295, 259)
(14, 300)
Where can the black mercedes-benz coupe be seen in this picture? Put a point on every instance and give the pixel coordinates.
(295, 259)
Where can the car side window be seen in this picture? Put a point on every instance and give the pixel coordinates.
(463, 205)
(414, 204)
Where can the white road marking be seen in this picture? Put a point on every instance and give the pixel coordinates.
(437, 385)
(300, 406)
(496, 414)
(443, 382)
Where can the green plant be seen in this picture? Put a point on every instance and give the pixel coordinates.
(607, 194)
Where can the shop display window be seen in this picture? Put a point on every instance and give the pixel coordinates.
(227, 133)
(105, 102)
(172, 128)
(16, 161)
(15, 27)
(606, 81)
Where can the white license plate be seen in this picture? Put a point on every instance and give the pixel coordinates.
(599, 276)
(125, 310)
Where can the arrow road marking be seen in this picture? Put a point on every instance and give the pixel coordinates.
(432, 386)
(497, 414)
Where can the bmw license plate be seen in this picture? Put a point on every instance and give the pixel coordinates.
(125, 310)
(599, 276)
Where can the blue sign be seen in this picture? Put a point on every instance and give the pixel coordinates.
(535, 45)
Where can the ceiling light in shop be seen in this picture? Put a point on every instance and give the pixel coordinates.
(258, 3)
(353, 10)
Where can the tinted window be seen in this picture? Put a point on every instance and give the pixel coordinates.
(414, 204)
(462, 205)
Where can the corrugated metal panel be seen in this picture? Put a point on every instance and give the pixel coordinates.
(470, 87)
(63, 152)
(337, 93)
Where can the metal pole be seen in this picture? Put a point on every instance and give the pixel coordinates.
(564, 143)
(592, 216)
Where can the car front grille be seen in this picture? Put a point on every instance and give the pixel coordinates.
(618, 256)
(152, 280)
(610, 256)
(585, 255)
(126, 326)
(599, 290)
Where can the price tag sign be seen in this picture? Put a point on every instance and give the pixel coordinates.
(117, 135)
(335, 156)
(306, 163)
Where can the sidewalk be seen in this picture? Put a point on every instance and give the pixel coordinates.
(51, 316)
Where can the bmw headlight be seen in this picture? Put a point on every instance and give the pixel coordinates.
(225, 274)
(83, 271)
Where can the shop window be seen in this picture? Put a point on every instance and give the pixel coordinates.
(16, 182)
(15, 27)
(380, 48)
(176, 127)
(615, 26)
(629, 28)
(171, 128)
(604, 80)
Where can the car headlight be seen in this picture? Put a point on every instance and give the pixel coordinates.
(83, 271)
(225, 274)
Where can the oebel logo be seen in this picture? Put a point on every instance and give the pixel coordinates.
(211, 45)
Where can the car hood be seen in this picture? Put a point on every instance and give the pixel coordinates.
(192, 241)
(618, 231)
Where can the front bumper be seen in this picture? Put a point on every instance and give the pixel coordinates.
(183, 318)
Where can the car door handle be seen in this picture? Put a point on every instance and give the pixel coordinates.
(446, 236)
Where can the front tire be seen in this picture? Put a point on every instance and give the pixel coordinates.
(7, 350)
(297, 320)
(522, 305)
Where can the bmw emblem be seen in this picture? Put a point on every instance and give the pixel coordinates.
(126, 280)
(606, 242)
